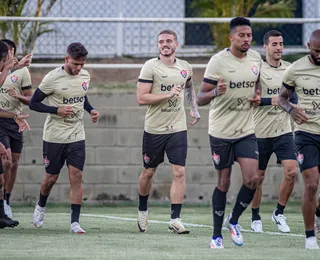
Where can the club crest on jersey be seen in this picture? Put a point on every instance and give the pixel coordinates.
(184, 73)
(146, 159)
(14, 78)
(216, 158)
(85, 86)
(300, 158)
(255, 70)
(46, 161)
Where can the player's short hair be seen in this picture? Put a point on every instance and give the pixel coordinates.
(239, 21)
(272, 33)
(3, 50)
(168, 31)
(77, 50)
(11, 45)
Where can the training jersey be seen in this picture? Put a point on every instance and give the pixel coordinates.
(271, 121)
(167, 116)
(231, 114)
(304, 77)
(63, 89)
(19, 80)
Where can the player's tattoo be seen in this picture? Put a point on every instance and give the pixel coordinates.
(283, 99)
(191, 97)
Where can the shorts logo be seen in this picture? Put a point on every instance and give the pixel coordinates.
(85, 86)
(146, 159)
(184, 73)
(255, 70)
(216, 158)
(14, 78)
(46, 161)
(300, 158)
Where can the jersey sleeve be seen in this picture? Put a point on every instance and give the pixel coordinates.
(212, 72)
(146, 73)
(47, 86)
(288, 78)
(26, 80)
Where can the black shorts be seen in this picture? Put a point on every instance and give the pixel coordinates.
(55, 155)
(10, 136)
(282, 146)
(307, 150)
(226, 151)
(154, 146)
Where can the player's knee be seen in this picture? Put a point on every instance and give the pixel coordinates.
(50, 180)
(260, 178)
(290, 174)
(76, 177)
(252, 181)
(224, 184)
(14, 165)
(179, 173)
(7, 163)
(311, 189)
(147, 173)
(1, 181)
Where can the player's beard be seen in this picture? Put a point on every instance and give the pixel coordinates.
(315, 60)
(242, 49)
(169, 54)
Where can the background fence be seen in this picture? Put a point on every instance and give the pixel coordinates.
(108, 39)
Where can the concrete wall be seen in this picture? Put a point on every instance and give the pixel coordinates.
(114, 159)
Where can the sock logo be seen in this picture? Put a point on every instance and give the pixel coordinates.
(219, 213)
(245, 205)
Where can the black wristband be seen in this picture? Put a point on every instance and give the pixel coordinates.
(289, 111)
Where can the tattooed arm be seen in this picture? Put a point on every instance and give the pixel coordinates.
(191, 97)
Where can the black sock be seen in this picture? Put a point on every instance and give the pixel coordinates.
(244, 198)
(279, 210)
(1, 209)
(7, 198)
(219, 201)
(42, 200)
(255, 214)
(143, 201)
(310, 233)
(317, 212)
(75, 212)
(175, 210)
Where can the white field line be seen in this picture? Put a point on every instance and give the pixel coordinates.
(188, 224)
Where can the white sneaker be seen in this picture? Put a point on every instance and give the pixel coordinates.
(317, 226)
(256, 226)
(7, 209)
(143, 221)
(281, 222)
(235, 232)
(217, 243)
(38, 215)
(311, 243)
(176, 226)
(75, 228)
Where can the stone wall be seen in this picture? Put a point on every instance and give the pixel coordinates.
(114, 159)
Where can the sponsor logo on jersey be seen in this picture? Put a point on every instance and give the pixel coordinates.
(72, 100)
(311, 91)
(243, 84)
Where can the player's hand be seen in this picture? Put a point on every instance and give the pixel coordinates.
(13, 93)
(3, 152)
(175, 91)
(94, 116)
(22, 122)
(298, 115)
(25, 61)
(221, 87)
(274, 101)
(11, 61)
(196, 116)
(256, 100)
(65, 111)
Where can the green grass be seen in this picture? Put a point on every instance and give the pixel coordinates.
(119, 239)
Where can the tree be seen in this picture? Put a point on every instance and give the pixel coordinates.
(24, 33)
(246, 8)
